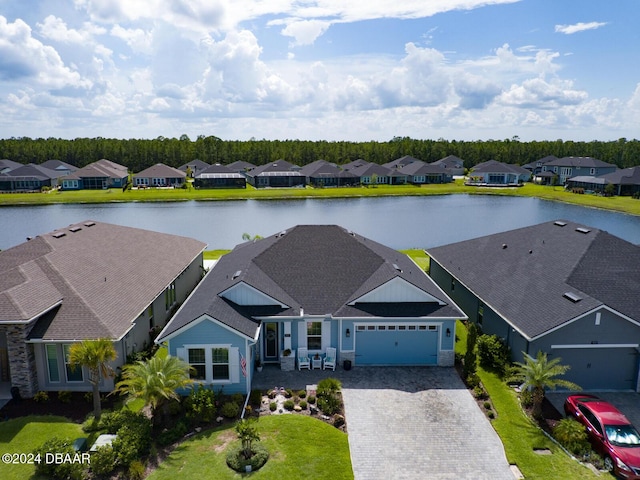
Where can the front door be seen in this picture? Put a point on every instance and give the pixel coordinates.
(271, 346)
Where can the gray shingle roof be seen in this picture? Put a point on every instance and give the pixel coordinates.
(160, 170)
(523, 274)
(318, 268)
(584, 162)
(104, 275)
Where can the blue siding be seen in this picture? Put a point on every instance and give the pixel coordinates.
(407, 347)
(347, 343)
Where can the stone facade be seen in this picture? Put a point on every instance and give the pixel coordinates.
(446, 358)
(22, 360)
(342, 356)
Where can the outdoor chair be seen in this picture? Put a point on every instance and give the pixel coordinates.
(303, 359)
(330, 359)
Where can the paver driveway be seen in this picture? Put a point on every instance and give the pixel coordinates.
(418, 423)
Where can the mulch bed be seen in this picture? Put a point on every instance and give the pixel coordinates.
(76, 409)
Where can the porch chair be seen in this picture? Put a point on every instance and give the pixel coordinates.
(303, 359)
(330, 359)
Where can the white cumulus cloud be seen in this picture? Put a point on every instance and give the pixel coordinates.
(578, 27)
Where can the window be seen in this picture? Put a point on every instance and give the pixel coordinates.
(592, 171)
(170, 296)
(73, 374)
(52, 363)
(480, 312)
(453, 284)
(198, 362)
(314, 335)
(220, 363)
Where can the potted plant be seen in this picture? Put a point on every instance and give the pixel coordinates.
(258, 365)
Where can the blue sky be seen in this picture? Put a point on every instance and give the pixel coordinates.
(320, 69)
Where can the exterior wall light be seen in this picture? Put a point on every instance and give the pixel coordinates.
(348, 333)
(448, 332)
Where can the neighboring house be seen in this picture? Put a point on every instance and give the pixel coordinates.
(586, 184)
(494, 173)
(159, 175)
(454, 164)
(374, 174)
(8, 165)
(219, 176)
(276, 174)
(311, 287)
(558, 287)
(324, 174)
(96, 176)
(194, 167)
(568, 167)
(401, 162)
(86, 281)
(59, 166)
(241, 166)
(353, 165)
(536, 167)
(626, 181)
(28, 178)
(419, 173)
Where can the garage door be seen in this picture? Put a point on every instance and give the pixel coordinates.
(600, 368)
(412, 344)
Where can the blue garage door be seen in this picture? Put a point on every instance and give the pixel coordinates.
(396, 345)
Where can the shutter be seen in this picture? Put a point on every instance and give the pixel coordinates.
(302, 334)
(234, 365)
(181, 353)
(326, 334)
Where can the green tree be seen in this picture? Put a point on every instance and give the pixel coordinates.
(155, 381)
(540, 373)
(247, 434)
(95, 355)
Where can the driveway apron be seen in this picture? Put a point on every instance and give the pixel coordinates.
(418, 423)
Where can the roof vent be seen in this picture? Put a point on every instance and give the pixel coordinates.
(75, 229)
(582, 230)
(575, 298)
(504, 245)
(89, 224)
(560, 224)
(58, 234)
(395, 265)
(236, 275)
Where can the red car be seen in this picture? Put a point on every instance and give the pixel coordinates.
(610, 433)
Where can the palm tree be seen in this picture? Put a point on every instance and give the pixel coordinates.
(540, 373)
(95, 355)
(155, 381)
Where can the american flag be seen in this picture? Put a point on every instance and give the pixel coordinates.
(243, 364)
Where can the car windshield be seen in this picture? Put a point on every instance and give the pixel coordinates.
(623, 435)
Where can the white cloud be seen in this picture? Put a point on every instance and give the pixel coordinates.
(138, 40)
(538, 93)
(305, 32)
(578, 27)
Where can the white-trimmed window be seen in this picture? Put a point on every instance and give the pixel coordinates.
(52, 362)
(314, 335)
(142, 181)
(170, 296)
(592, 171)
(73, 374)
(197, 361)
(220, 363)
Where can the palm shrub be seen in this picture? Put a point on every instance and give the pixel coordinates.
(540, 373)
(572, 435)
(95, 355)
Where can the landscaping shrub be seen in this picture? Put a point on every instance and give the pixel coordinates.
(113, 421)
(328, 385)
(133, 441)
(470, 361)
(173, 434)
(91, 424)
(479, 392)
(526, 398)
(64, 396)
(273, 406)
(487, 405)
(255, 397)
(53, 470)
(230, 410)
(288, 393)
(312, 399)
(103, 461)
(329, 404)
(41, 397)
(302, 393)
(572, 435)
(303, 404)
(200, 405)
(473, 381)
(237, 398)
(237, 461)
(289, 404)
(493, 354)
(136, 471)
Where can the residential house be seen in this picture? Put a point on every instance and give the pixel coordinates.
(401, 162)
(159, 175)
(8, 165)
(276, 174)
(28, 178)
(306, 289)
(494, 173)
(86, 281)
(97, 175)
(193, 167)
(241, 166)
(559, 287)
(219, 176)
(452, 163)
(375, 174)
(536, 167)
(419, 173)
(625, 182)
(568, 167)
(324, 174)
(59, 166)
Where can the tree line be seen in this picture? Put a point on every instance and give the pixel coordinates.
(138, 154)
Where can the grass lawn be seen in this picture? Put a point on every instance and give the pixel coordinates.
(418, 256)
(24, 434)
(621, 204)
(214, 254)
(519, 435)
(299, 446)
